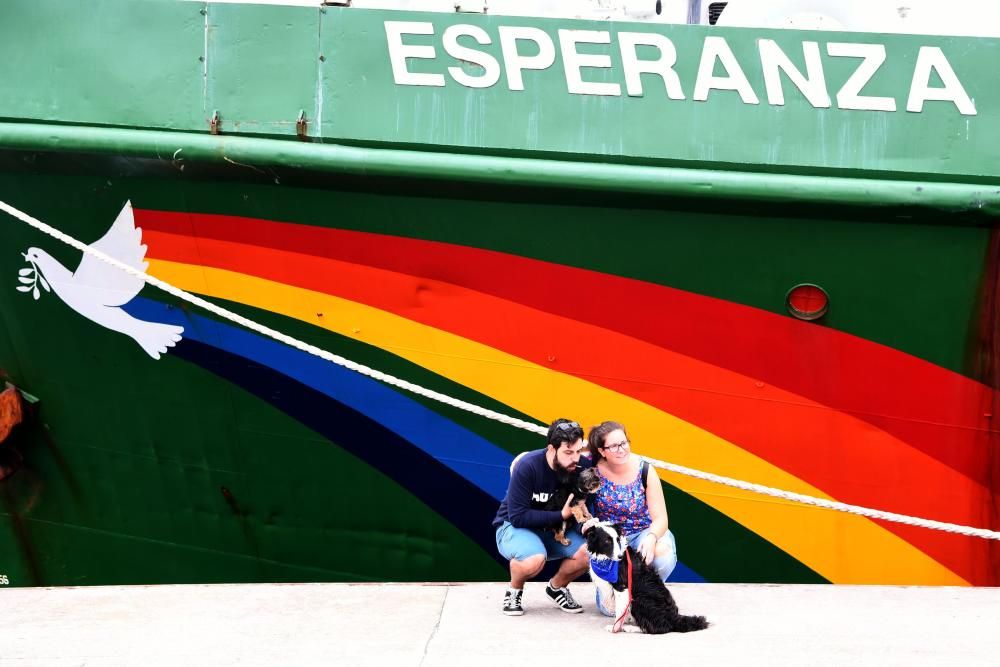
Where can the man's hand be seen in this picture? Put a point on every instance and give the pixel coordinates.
(566, 511)
(647, 548)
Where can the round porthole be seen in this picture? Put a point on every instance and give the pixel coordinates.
(807, 302)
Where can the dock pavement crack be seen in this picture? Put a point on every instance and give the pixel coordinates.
(437, 625)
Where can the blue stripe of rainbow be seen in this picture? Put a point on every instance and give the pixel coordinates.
(473, 458)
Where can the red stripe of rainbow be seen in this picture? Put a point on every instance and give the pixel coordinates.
(664, 347)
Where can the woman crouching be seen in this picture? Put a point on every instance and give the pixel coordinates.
(631, 495)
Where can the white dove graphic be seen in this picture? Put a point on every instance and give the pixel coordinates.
(97, 290)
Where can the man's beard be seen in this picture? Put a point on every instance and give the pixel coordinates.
(561, 471)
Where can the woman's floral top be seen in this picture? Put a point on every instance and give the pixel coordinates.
(624, 504)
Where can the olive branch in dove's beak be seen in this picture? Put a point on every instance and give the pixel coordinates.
(30, 278)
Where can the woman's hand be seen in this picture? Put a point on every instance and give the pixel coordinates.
(647, 548)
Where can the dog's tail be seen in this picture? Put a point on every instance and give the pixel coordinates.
(689, 623)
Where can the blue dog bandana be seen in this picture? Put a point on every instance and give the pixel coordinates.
(605, 568)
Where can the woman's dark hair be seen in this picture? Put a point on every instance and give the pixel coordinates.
(563, 430)
(595, 439)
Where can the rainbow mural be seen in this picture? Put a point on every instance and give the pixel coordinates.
(699, 381)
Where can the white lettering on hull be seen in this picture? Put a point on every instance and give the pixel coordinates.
(812, 86)
(518, 57)
(491, 68)
(849, 97)
(515, 62)
(716, 50)
(663, 66)
(399, 52)
(573, 62)
(931, 58)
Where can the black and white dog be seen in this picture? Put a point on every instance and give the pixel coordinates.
(652, 608)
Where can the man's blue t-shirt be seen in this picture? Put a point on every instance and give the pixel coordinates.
(531, 485)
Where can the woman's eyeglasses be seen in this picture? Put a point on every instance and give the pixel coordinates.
(617, 447)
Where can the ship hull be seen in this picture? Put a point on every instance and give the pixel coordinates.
(235, 458)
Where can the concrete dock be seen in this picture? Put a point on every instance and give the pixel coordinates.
(458, 624)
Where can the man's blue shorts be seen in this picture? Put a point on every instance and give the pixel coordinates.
(521, 543)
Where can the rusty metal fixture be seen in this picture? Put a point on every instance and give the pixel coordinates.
(215, 123)
(11, 410)
(12, 413)
(301, 125)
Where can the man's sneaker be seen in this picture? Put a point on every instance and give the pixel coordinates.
(562, 598)
(512, 603)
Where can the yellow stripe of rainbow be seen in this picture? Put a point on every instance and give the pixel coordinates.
(842, 548)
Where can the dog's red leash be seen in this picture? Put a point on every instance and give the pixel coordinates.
(621, 620)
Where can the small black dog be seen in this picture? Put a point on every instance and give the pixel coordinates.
(581, 483)
(653, 608)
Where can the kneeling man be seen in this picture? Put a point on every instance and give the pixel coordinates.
(523, 535)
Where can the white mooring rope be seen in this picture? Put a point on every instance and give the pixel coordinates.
(475, 409)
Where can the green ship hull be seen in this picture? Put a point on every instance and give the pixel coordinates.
(550, 250)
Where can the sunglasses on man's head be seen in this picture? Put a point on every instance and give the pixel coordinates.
(567, 426)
